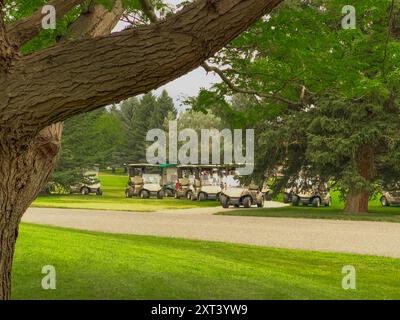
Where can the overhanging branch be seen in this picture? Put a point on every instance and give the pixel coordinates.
(96, 21)
(24, 30)
(148, 10)
(79, 76)
(7, 51)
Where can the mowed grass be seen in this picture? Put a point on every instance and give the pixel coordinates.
(113, 198)
(104, 266)
(375, 213)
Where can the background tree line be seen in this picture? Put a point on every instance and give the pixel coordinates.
(109, 137)
(116, 135)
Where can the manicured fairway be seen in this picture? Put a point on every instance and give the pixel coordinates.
(391, 214)
(103, 266)
(113, 198)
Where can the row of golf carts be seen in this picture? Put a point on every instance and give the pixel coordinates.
(214, 182)
(193, 182)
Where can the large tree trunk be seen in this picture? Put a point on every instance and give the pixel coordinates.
(357, 200)
(25, 168)
(8, 237)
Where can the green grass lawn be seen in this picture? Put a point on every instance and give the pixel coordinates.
(386, 215)
(335, 212)
(113, 198)
(104, 266)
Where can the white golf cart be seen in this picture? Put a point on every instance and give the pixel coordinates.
(144, 181)
(208, 182)
(235, 194)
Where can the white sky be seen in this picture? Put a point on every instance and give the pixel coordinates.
(188, 85)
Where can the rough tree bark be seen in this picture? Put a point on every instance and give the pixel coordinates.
(29, 172)
(80, 76)
(25, 168)
(7, 51)
(357, 200)
(26, 29)
(39, 91)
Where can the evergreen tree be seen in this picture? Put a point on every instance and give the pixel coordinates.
(138, 116)
(128, 116)
(89, 139)
(164, 108)
(323, 96)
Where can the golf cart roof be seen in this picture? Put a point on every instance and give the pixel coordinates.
(204, 166)
(168, 165)
(142, 165)
(231, 166)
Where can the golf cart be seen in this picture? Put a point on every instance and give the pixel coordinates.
(389, 198)
(266, 191)
(207, 184)
(169, 178)
(307, 192)
(144, 181)
(287, 195)
(90, 184)
(184, 186)
(390, 195)
(233, 193)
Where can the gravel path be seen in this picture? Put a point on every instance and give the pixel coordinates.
(372, 238)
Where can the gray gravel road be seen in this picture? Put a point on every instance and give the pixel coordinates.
(372, 238)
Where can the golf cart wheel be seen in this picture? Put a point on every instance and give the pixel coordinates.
(85, 191)
(127, 194)
(384, 202)
(316, 202)
(144, 194)
(169, 193)
(160, 194)
(246, 202)
(99, 192)
(261, 204)
(295, 200)
(193, 197)
(329, 203)
(189, 195)
(286, 198)
(224, 200)
(202, 196)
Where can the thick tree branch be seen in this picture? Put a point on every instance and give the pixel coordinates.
(26, 29)
(7, 51)
(97, 21)
(148, 10)
(80, 76)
